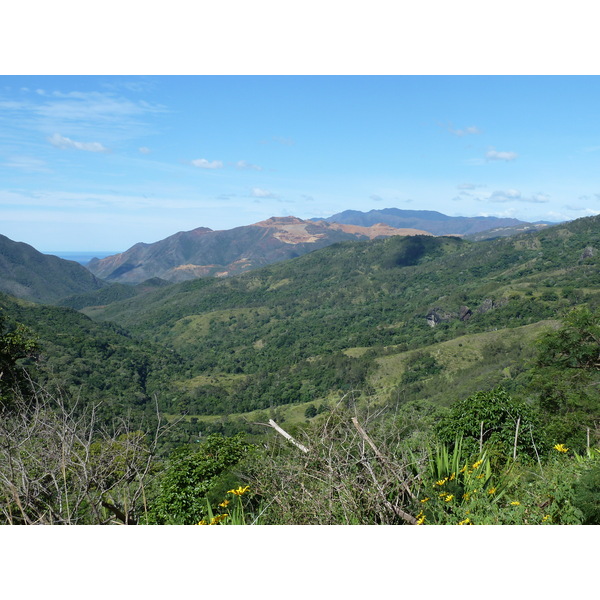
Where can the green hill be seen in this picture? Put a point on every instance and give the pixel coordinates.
(285, 331)
(94, 364)
(29, 274)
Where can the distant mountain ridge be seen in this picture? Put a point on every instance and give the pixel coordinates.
(203, 252)
(432, 221)
(29, 274)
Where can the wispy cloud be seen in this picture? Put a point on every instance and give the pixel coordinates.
(586, 198)
(511, 195)
(27, 164)
(102, 202)
(262, 194)
(493, 154)
(78, 115)
(471, 130)
(202, 163)
(279, 140)
(469, 186)
(64, 143)
(144, 150)
(244, 164)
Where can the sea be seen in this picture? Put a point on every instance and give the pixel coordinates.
(83, 257)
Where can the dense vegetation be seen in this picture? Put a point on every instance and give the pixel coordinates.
(431, 380)
(295, 331)
(27, 273)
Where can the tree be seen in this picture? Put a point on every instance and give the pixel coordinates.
(576, 345)
(494, 418)
(16, 343)
(566, 377)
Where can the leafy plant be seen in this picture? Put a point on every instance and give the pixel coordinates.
(506, 426)
(190, 474)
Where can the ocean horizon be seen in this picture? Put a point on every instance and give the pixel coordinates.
(82, 257)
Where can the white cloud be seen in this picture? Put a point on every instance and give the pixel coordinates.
(493, 154)
(516, 196)
(79, 115)
(202, 163)
(469, 186)
(375, 198)
(144, 150)
(27, 163)
(471, 130)
(260, 193)
(243, 164)
(58, 141)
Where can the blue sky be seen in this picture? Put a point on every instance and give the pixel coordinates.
(100, 162)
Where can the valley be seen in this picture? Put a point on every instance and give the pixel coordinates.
(311, 326)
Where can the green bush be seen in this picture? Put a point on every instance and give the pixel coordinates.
(189, 476)
(587, 496)
(491, 418)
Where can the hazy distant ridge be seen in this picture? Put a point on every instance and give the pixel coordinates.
(429, 220)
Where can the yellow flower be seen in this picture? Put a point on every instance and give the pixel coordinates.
(216, 520)
(448, 497)
(546, 517)
(492, 490)
(467, 521)
(424, 500)
(561, 448)
(481, 476)
(225, 503)
(463, 469)
(515, 503)
(467, 495)
(452, 476)
(477, 464)
(441, 481)
(420, 518)
(240, 491)
(203, 522)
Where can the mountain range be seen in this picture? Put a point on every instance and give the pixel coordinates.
(203, 252)
(431, 221)
(199, 253)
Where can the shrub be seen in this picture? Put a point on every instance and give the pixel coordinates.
(493, 418)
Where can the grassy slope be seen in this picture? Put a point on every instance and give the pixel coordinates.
(358, 299)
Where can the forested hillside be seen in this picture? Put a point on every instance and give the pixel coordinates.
(296, 331)
(27, 273)
(446, 358)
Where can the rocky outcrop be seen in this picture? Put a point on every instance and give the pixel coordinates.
(464, 313)
(439, 315)
(490, 304)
